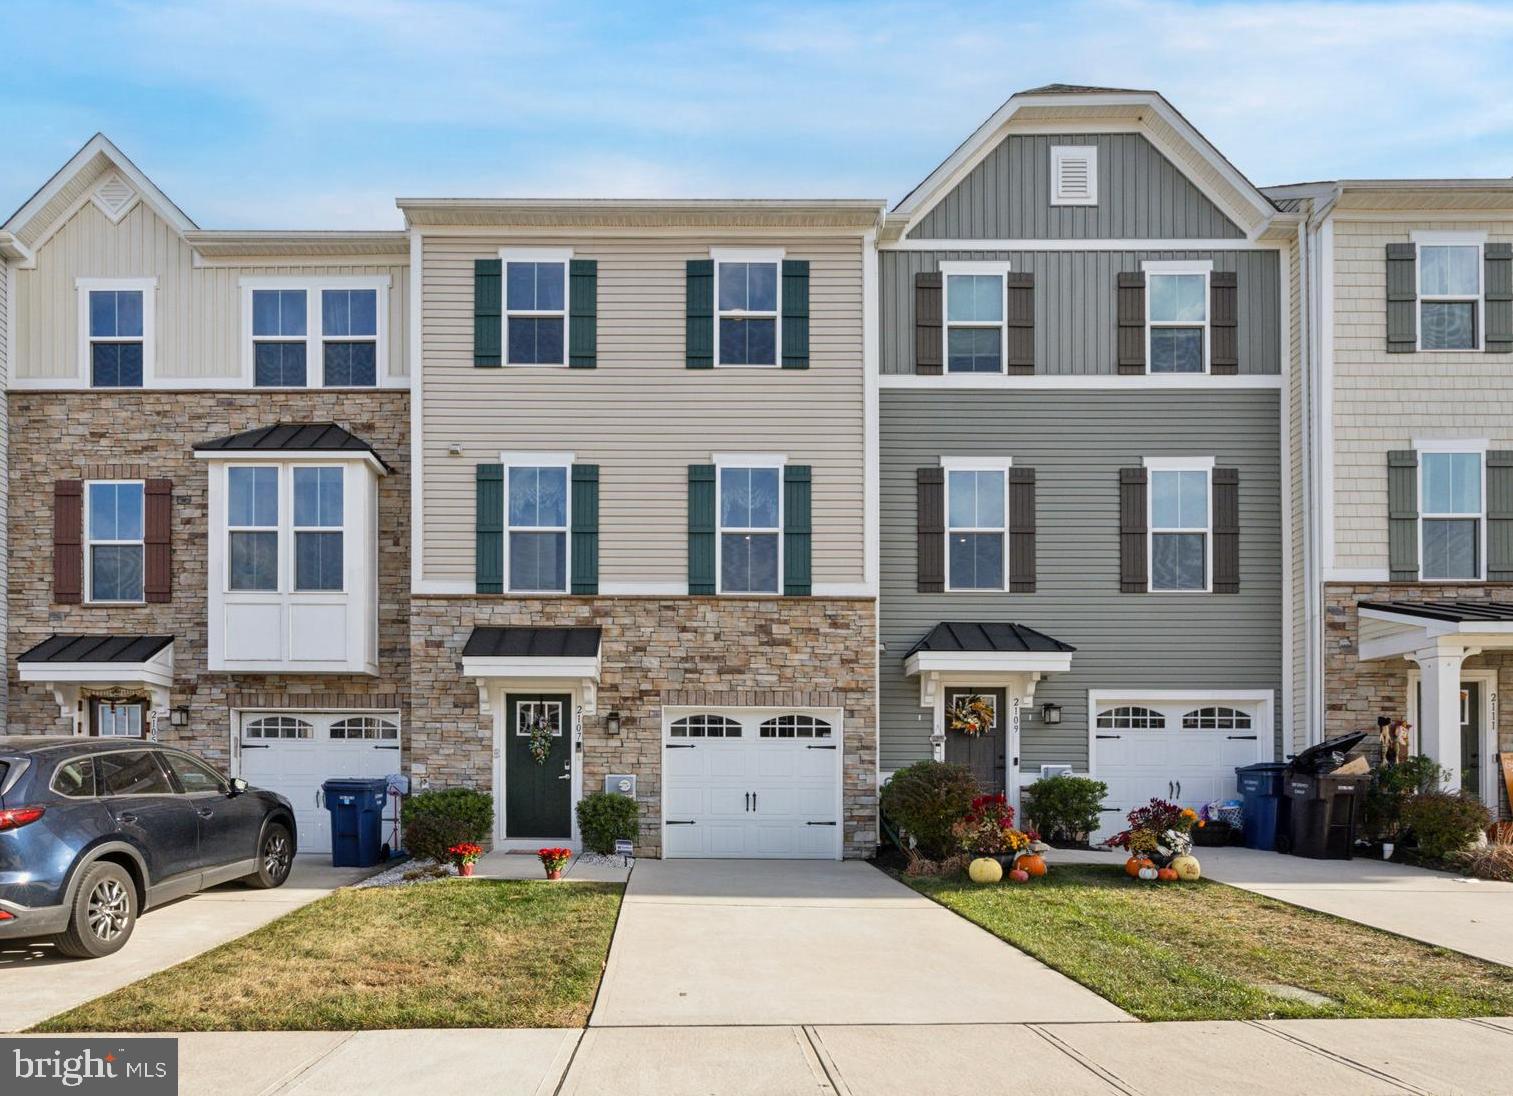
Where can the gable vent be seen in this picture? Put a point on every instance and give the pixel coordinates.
(115, 197)
(1074, 175)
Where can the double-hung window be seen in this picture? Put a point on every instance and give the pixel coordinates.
(1449, 291)
(1176, 316)
(116, 329)
(976, 524)
(1179, 523)
(115, 548)
(535, 307)
(278, 338)
(1451, 515)
(746, 292)
(349, 337)
(974, 310)
(252, 519)
(751, 527)
(536, 508)
(318, 522)
(316, 332)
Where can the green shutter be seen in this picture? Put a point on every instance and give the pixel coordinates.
(796, 315)
(488, 327)
(1498, 329)
(700, 332)
(583, 320)
(1500, 516)
(1402, 515)
(797, 536)
(1402, 305)
(585, 528)
(701, 528)
(488, 524)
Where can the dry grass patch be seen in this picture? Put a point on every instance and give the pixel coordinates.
(454, 954)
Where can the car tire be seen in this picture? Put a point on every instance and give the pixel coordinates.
(275, 858)
(104, 913)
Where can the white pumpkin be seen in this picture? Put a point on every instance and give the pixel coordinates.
(1148, 874)
(985, 870)
(1187, 868)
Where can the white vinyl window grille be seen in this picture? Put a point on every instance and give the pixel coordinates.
(279, 338)
(1217, 718)
(1449, 294)
(1176, 316)
(536, 521)
(1179, 528)
(365, 728)
(114, 545)
(976, 528)
(535, 307)
(705, 726)
(1074, 175)
(118, 719)
(1131, 717)
(795, 726)
(747, 317)
(1452, 514)
(318, 523)
(975, 331)
(751, 526)
(270, 727)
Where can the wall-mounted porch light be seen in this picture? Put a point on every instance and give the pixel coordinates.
(612, 724)
(1050, 714)
(179, 716)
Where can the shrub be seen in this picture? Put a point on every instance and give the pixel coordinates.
(925, 800)
(1443, 824)
(1065, 808)
(435, 821)
(1391, 785)
(607, 817)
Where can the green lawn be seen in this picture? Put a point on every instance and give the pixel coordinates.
(452, 954)
(1204, 951)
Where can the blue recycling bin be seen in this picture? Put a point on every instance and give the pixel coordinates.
(1260, 787)
(357, 807)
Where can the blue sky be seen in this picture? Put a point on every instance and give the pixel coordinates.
(274, 113)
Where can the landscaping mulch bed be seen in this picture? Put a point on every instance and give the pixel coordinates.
(1205, 951)
(457, 953)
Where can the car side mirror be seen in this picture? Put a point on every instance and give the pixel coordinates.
(238, 786)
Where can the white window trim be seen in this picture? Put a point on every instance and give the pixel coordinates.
(722, 461)
(540, 460)
(1157, 267)
(507, 255)
(750, 255)
(1478, 446)
(997, 270)
(90, 543)
(283, 581)
(148, 287)
(1079, 152)
(974, 464)
(1422, 239)
(315, 340)
(295, 529)
(1179, 464)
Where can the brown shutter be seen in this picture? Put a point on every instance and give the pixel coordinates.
(930, 521)
(1019, 316)
(1131, 310)
(1224, 308)
(1133, 572)
(1226, 530)
(68, 533)
(928, 306)
(157, 539)
(1021, 530)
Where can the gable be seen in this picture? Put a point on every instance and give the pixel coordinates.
(1140, 195)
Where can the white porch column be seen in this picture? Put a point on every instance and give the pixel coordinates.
(1439, 708)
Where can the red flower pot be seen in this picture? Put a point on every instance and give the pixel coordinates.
(465, 870)
(554, 874)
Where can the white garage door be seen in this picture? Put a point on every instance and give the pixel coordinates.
(1184, 752)
(294, 753)
(752, 783)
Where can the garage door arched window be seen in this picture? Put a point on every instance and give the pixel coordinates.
(277, 726)
(1216, 719)
(706, 726)
(359, 727)
(795, 726)
(1131, 717)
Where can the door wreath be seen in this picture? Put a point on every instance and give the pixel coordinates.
(540, 730)
(972, 715)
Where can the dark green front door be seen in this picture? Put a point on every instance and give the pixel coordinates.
(538, 795)
(1470, 737)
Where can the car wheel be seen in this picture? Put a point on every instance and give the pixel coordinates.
(275, 856)
(104, 913)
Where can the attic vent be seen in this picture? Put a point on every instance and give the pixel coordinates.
(114, 196)
(1074, 175)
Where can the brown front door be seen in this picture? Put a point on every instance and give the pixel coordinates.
(983, 754)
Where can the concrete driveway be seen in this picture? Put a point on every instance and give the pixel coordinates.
(37, 982)
(756, 942)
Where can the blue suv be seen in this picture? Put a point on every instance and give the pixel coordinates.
(93, 831)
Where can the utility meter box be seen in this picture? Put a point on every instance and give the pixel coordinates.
(621, 784)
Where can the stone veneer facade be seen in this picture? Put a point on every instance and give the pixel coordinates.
(139, 434)
(655, 651)
(1356, 692)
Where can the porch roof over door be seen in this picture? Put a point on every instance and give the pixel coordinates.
(987, 646)
(1395, 629)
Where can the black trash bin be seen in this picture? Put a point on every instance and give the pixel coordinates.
(1264, 814)
(356, 807)
(1323, 805)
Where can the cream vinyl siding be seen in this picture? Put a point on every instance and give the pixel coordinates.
(1383, 401)
(1297, 502)
(199, 309)
(641, 415)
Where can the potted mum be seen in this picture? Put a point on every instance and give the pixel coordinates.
(987, 829)
(465, 854)
(554, 860)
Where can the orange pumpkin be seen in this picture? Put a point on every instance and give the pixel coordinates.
(1167, 875)
(1033, 863)
(1132, 866)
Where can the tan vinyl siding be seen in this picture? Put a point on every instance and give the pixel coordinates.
(641, 415)
(199, 310)
(1297, 502)
(1383, 401)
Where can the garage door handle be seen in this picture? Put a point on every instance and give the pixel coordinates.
(1108, 736)
(830, 747)
(680, 745)
(386, 747)
(1242, 737)
(819, 823)
(252, 746)
(675, 822)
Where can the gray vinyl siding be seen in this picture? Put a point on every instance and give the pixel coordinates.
(1141, 196)
(1075, 322)
(1077, 441)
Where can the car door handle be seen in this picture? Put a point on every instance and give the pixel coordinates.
(204, 812)
(127, 817)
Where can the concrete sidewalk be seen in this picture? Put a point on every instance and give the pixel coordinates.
(1283, 1058)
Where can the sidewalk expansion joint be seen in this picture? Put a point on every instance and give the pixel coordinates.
(1349, 1063)
(1083, 1060)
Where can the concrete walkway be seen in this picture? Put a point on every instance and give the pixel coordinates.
(751, 942)
(36, 982)
(1282, 1058)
